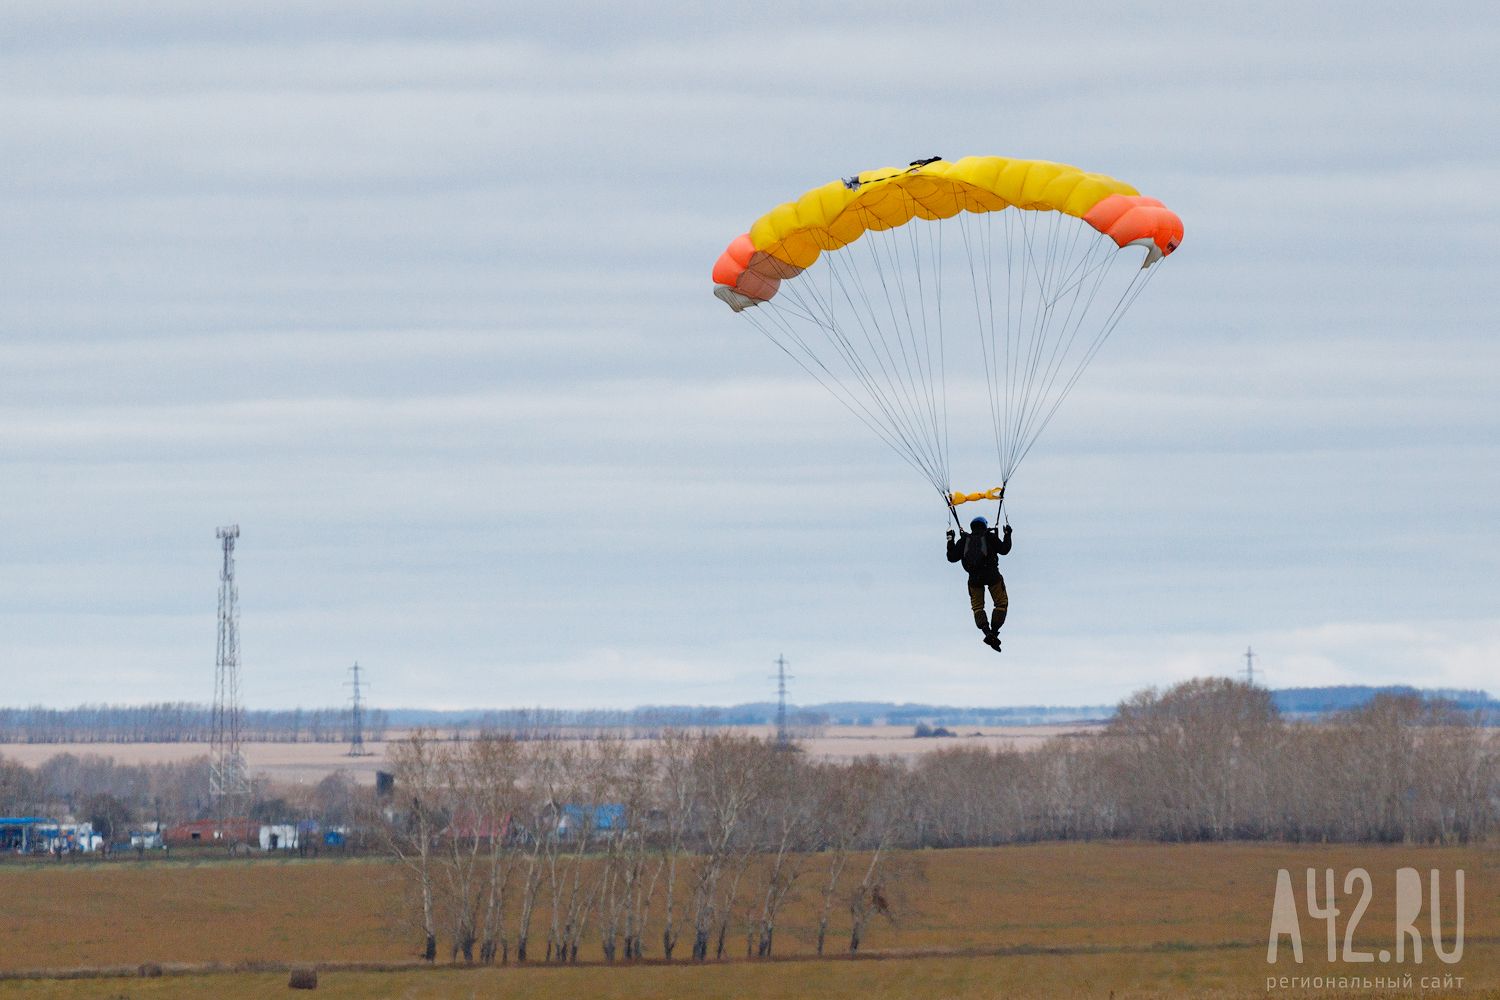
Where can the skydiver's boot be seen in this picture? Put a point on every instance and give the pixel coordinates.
(989, 634)
(997, 618)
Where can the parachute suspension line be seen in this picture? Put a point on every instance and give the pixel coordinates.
(936, 388)
(897, 396)
(1040, 326)
(918, 387)
(1082, 269)
(990, 345)
(1003, 432)
(875, 331)
(830, 381)
(1026, 265)
(1022, 344)
(985, 343)
(1041, 313)
(897, 403)
(1055, 268)
(1137, 285)
(954, 511)
(918, 374)
(937, 280)
(882, 311)
(886, 401)
(894, 421)
(1084, 294)
(987, 231)
(1061, 276)
(1042, 373)
(920, 378)
(809, 307)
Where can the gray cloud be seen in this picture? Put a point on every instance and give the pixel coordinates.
(420, 297)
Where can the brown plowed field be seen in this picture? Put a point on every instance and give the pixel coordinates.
(1041, 920)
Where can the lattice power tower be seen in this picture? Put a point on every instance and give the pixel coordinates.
(228, 784)
(781, 677)
(356, 717)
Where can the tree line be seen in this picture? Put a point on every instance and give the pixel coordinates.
(1213, 760)
(117, 798)
(694, 845)
(180, 722)
(1208, 759)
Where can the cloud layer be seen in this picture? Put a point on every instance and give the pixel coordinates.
(419, 296)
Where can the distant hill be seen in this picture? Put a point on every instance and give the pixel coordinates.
(1294, 703)
(184, 722)
(1316, 702)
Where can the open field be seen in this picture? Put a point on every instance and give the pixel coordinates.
(310, 762)
(1039, 920)
(1118, 976)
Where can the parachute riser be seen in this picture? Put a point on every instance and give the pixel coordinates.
(957, 497)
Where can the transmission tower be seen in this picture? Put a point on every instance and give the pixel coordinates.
(356, 717)
(1250, 666)
(781, 677)
(228, 784)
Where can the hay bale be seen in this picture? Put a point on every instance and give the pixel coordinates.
(304, 978)
(149, 970)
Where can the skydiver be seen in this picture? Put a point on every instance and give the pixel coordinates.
(979, 550)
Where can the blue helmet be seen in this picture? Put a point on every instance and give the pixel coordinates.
(979, 522)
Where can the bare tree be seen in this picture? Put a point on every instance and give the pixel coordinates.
(1193, 756)
(887, 804)
(479, 778)
(677, 798)
(412, 831)
(787, 829)
(642, 866)
(495, 763)
(335, 799)
(727, 780)
(538, 831)
(630, 868)
(1456, 778)
(848, 805)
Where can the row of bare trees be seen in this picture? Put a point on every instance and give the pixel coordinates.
(685, 846)
(179, 722)
(99, 789)
(1211, 760)
(681, 847)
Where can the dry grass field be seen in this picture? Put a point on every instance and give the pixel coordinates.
(1044, 920)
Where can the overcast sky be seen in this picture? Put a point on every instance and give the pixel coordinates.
(418, 294)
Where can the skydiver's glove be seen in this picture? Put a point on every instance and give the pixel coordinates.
(1007, 530)
(950, 534)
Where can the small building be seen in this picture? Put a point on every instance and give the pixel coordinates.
(22, 834)
(278, 837)
(148, 837)
(66, 838)
(44, 835)
(470, 824)
(607, 818)
(212, 831)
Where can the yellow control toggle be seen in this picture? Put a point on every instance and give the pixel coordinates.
(958, 497)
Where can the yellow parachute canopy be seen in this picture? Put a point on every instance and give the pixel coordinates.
(1042, 286)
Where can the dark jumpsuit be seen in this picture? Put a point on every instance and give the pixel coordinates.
(985, 574)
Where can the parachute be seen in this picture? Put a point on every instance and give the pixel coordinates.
(876, 284)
